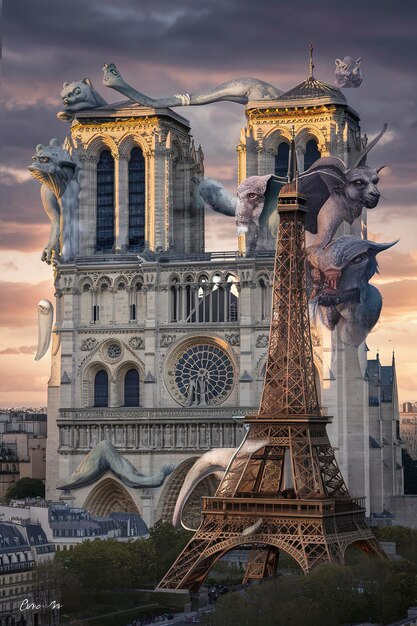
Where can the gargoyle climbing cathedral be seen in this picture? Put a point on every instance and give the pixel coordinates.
(159, 348)
(283, 489)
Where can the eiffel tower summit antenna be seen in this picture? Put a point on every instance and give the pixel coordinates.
(283, 489)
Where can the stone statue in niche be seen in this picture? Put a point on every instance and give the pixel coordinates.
(56, 170)
(240, 90)
(104, 457)
(197, 390)
(348, 72)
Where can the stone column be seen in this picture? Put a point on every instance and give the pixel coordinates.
(87, 205)
(121, 203)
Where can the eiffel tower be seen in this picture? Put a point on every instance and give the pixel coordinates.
(283, 489)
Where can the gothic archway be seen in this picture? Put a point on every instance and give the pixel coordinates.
(108, 496)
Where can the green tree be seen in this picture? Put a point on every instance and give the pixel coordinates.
(330, 595)
(26, 488)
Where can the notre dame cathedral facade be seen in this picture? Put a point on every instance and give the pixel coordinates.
(163, 345)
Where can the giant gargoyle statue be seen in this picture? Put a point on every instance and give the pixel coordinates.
(335, 194)
(340, 292)
(104, 457)
(348, 72)
(79, 96)
(56, 170)
(241, 90)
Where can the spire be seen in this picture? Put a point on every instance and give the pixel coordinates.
(292, 161)
(393, 358)
(311, 61)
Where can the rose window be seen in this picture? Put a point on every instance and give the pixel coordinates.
(203, 375)
(114, 351)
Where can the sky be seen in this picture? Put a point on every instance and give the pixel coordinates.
(163, 47)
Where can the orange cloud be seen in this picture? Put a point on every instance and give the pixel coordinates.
(400, 298)
(25, 237)
(19, 350)
(20, 302)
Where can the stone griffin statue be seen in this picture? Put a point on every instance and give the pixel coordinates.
(335, 194)
(79, 96)
(55, 169)
(339, 290)
(104, 457)
(240, 90)
(348, 72)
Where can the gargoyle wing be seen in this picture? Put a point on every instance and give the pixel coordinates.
(317, 183)
(217, 197)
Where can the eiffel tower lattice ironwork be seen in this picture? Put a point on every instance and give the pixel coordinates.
(283, 489)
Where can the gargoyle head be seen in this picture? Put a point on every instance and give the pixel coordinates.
(53, 166)
(78, 96)
(348, 72)
(341, 269)
(251, 197)
(361, 187)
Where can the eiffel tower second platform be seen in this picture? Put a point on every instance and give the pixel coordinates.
(283, 489)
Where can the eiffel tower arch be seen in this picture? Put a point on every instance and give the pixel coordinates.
(283, 489)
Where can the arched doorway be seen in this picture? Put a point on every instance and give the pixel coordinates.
(108, 496)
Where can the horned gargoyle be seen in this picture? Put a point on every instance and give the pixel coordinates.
(348, 72)
(55, 169)
(79, 96)
(340, 292)
(335, 194)
(103, 457)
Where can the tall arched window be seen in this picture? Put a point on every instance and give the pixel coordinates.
(176, 297)
(136, 199)
(132, 388)
(281, 159)
(105, 201)
(101, 389)
(265, 303)
(311, 154)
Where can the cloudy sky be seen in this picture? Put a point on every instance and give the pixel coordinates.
(164, 47)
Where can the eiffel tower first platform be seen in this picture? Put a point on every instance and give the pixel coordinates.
(283, 489)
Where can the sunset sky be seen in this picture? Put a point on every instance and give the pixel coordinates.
(164, 47)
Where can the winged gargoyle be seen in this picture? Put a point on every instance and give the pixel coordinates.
(335, 194)
(340, 292)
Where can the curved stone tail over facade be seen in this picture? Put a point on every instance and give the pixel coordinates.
(240, 90)
(103, 457)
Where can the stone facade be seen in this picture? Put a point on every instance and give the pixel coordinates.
(175, 309)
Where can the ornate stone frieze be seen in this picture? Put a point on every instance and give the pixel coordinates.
(142, 437)
(233, 339)
(137, 343)
(166, 340)
(262, 341)
(88, 344)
